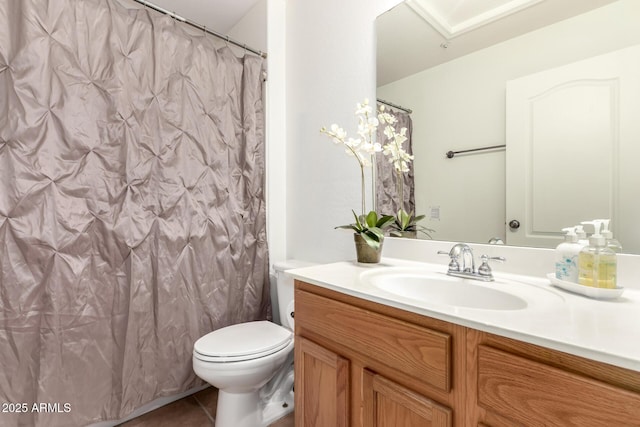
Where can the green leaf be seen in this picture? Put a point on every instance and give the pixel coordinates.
(358, 223)
(419, 218)
(375, 231)
(384, 221)
(372, 219)
(425, 231)
(375, 244)
(405, 219)
(349, 227)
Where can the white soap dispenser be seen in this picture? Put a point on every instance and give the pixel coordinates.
(612, 243)
(597, 265)
(582, 236)
(567, 256)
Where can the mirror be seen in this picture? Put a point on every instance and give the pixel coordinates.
(458, 86)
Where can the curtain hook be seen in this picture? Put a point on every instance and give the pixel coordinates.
(227, 40)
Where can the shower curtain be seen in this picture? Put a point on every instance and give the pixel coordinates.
(132, 210)
(387, 188)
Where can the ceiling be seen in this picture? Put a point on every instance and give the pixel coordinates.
(218, 15)
(420, 34)
(452, 18)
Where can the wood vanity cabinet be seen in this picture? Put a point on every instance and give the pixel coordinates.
(359, 363)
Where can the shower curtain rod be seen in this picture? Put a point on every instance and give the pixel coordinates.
(391, 104)
(201, 27)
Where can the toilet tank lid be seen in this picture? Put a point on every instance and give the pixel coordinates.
(291, 264)
(243, 339)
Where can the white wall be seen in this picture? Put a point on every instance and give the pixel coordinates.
(252, 28)
(460, 105)
(321, 62)
(276, 131)
(329, 68)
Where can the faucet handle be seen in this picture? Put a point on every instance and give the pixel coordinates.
(485, 269)
(493, 258)
(454, 265)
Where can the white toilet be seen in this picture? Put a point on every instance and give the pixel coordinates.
(251, 364)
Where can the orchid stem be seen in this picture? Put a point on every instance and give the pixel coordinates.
(363, 188)
(400, 179)
(373, 182)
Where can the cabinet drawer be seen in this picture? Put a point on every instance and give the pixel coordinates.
(535, 394)
(414, 350)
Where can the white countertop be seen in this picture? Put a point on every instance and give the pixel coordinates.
(604, 330)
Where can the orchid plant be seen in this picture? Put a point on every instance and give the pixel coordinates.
(370, 226)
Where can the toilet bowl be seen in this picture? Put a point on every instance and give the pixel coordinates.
(251, 364)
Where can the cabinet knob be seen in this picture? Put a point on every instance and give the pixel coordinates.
(514, 224)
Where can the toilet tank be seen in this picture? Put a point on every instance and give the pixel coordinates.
(284, 289)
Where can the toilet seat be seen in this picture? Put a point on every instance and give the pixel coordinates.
(244, 341)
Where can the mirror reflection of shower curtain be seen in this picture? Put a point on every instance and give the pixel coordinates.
(387, 188)
(132, 209)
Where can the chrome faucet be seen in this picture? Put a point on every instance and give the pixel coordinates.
(462, 263)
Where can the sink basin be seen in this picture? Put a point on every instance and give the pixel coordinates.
(433, 288)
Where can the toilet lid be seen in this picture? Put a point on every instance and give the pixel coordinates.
(243, 341)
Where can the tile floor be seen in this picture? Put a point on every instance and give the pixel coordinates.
(197, 410)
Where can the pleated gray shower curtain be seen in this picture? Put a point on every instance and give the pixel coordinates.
(387, 187)
(132, 210)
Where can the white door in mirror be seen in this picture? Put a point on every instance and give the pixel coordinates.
(578, 117)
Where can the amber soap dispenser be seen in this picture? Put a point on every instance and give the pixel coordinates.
(597, 264)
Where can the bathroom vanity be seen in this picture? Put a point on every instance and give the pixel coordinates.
(370, 359)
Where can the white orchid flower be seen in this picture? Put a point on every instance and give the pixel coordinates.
(368, 127)
(338, 132)
(399, 139)
(364, 148)
(389, 132)
(387, 118)
(364, 108)
(371, 149)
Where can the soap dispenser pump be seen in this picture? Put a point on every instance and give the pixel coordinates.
(597, 263)
(567, 256)
(612, 243)
(582, 236)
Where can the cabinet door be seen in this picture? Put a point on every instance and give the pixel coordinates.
(321, 386)
(387, 404)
